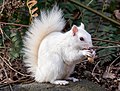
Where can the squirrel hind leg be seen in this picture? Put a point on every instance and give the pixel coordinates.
(60, 82)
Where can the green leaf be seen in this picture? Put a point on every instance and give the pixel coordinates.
(14, 39)
(13, 34)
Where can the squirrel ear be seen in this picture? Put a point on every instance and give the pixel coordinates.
(82, 25)
(74, 30)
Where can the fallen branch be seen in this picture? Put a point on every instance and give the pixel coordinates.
(108, 41)
(6, 74)
(21, 25)
(103, 47)
(94, 11)
(13, 68)
(2, 7)
(93, 74)
(20, 80)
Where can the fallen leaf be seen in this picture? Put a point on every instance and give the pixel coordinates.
(119, 86)
(108, 75)
(117, 14)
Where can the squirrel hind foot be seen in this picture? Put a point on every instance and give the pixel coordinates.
(60, 82)
(72, 79)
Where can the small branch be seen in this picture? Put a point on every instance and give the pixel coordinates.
(93, 74)
(89, 2)
(2, 7)
(3, 38)
(103, 47)
(12, 68)
(11, 89)
(94, 11)
(13, 24)
(113, 62)
(108, 41)
(20, 80)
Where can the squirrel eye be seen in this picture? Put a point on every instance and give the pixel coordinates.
(81, 38)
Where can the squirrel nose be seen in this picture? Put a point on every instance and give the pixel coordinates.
(86, 46)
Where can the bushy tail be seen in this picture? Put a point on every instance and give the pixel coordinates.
(50, 21)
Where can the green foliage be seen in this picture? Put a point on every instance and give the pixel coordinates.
(15, 13)
(74, 14)
(96, 25)
(102, 29)
(16, 45)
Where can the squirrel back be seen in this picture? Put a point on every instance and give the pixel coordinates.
(48, 22)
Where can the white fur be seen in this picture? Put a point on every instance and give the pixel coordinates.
(48, 22)
(52, 55)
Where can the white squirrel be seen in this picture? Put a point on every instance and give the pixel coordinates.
(51, 55)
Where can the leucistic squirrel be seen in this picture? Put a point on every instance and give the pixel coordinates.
(51, 55)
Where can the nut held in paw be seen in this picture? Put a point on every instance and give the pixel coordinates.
(90, 59)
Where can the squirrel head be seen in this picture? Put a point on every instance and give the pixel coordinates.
(81, 37)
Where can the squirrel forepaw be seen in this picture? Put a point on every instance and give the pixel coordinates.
(87, 53)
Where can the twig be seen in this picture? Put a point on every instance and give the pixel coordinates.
(94, 11)
(20, 80)
(82, 13)
(3, 5)
(13, 68)
(103, 47)
(108, 41)
(112, 63)
(11, 87)
(7, 78)
(93, 74)
(13, 24)
(89, 2)
(3, 34)
(1, 31)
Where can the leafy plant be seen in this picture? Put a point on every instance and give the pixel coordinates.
(11, 26)
(16, 15)
(16, 45)
(74, 14)
(102, 29)
(98, 27)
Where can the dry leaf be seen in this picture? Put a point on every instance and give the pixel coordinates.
(35, 15)
(119, 86)
(33, 10)
(32, 3)
(117, 14)
(108, 75)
